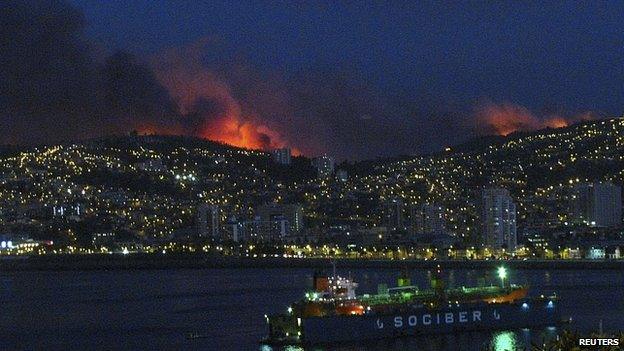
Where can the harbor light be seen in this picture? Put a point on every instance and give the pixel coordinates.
(502, 274)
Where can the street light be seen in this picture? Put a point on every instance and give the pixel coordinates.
(502, 274)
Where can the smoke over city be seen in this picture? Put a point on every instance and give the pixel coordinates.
(57, 87)
(207, 105)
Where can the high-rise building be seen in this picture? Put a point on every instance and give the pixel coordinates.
(596, 204)
(498, 219)
(393, 214)
(279, 220)
(324, 166)
(208, 220)
(428, 219)
(281, 156)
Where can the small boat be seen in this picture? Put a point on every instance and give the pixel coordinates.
(195, 335)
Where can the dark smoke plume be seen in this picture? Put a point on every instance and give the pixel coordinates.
(47, 79)
(52, 89)
(133, 95)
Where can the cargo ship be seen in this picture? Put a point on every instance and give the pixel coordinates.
(332, 312)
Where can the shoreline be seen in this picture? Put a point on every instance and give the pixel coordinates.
(200, 261)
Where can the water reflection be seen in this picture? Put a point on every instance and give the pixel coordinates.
(504, 341)
(520, 340)
(284, 348)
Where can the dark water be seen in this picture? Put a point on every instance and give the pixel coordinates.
(155, 310)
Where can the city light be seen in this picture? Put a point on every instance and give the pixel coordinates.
(417, 208)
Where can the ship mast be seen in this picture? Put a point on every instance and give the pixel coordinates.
(438, 284)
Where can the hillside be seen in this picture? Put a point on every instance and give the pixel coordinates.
(538, 168)
(151, 186)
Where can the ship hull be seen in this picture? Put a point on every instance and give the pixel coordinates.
(423, 321)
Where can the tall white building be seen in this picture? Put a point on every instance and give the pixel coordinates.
(597, 204)
(498, 218)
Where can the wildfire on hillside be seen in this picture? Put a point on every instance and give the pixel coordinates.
(504, 119)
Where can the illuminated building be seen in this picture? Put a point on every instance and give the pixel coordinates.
(151, 165)
(498, 217)
(67, 210)
(595, 254)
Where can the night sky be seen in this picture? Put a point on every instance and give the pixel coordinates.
(352, 79)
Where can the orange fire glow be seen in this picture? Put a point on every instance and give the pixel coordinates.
(556, 122)
(505, 119)
(208, 106)
(230, 130)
